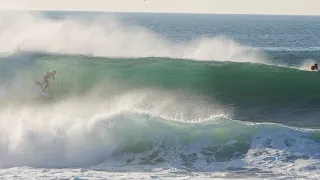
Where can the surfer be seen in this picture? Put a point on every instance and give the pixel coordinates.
(314, 67)
(46, 78)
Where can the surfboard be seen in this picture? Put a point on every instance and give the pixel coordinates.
(42, 93)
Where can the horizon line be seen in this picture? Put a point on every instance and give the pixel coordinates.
(146, 12)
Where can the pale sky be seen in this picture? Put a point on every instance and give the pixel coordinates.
(298, 7)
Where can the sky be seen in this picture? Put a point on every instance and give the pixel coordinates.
(285, 7)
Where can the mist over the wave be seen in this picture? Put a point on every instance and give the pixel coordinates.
(109, 37)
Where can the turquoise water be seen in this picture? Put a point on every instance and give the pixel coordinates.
(134, 92)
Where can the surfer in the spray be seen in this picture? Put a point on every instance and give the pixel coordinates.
(47, 77)
(314, 67)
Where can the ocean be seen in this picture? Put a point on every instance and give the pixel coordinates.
(159, 96)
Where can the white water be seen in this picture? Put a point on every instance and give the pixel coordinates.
(133, 131)
(107, 135)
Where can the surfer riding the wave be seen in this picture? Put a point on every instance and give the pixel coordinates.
(314, 67)
(46, 78)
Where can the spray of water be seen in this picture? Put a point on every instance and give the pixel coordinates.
(109, 37)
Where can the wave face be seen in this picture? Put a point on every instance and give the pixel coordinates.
(126, 98)
(248, 90)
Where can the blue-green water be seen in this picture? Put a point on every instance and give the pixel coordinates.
(172, 91)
